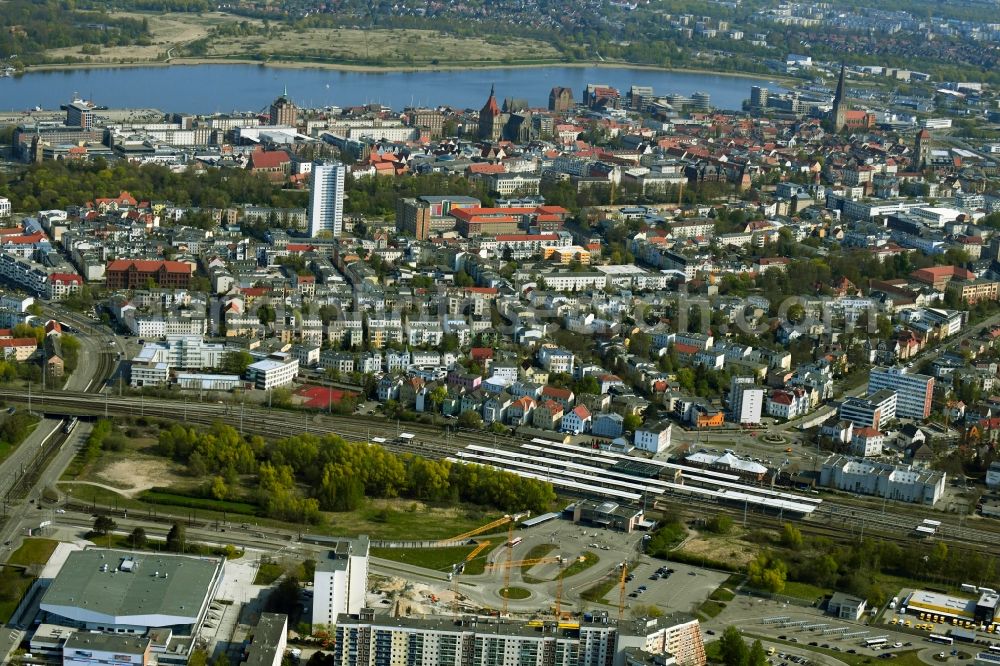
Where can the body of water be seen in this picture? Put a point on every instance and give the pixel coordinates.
(223, 88)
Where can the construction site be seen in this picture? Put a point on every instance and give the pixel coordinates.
(553, 570)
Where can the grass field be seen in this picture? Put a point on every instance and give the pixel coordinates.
(439, 559)
(514, 593)
(397, 46)
(267, 573)
(599, 592)
(711, 608)
(14, 583)
(170, 32)
(587, 560)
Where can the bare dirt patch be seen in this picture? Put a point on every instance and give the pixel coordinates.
(135, 474)
(722, 548)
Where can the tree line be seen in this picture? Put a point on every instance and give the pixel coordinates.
(28, 28)
(300, 476)
(59, 183)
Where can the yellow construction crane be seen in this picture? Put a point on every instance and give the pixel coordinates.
(480, 547)
(479, 530)
(621, 591)
(505, 591)
(559, 589)
(525, 563)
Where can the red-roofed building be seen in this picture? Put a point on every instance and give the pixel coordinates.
(576, 421)
(275, 164)
(938, 277)
(135, 274)
(19, 349)
(62, 285)
(476, 221)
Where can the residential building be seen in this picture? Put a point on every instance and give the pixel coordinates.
(746, 401)
(914, 392)
(340, 582)
(653, 437)
(576, 420)
(547, 415)
(326, 198)
(608, 425)
(268, 641)
(367, 639)
(787, 403)
(866, 442)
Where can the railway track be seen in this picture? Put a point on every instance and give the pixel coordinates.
(844, 519)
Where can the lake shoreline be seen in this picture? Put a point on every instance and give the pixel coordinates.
(375, 69)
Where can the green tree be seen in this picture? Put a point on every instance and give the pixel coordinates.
(198, 658)
(733, 649)
(104, 524)
(236, 362)
(757, 656)
(175, 538)
(631, 421)
(137, 539)
(791, 536)
(720, 523)
(767, 573)
(470, 419)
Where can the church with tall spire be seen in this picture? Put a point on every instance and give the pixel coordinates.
(838, 115)
(491, 119)
(283, 111)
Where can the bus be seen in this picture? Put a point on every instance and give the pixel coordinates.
(68, 428)
(995, 649)
(875, 643)
(513, 542)
(938, 638)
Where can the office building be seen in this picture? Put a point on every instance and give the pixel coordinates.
(326, 198)
(340, 582)
(139, 274)
(896, 482)
(746, 400)
(872, 412)
(80, 113)
(83, 647)
(914, 392)
(276, 370)
(367, 640)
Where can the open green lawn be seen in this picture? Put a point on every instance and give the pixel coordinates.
(804, 591)
(13, 582)
(33, 551)
(541, 550)
(267, 573)
(599, 592)
(514, 593)
(439, 559)
(722, 594)
(587, 560)
(711, 608)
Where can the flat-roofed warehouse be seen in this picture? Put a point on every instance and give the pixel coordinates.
(113, 590)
